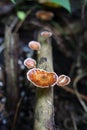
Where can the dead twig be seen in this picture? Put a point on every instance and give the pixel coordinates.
(77, 79)
(16, 113)
(74, 121)
(70, 90)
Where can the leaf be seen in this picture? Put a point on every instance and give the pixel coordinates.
(57, 3)
(85, 0)
(13, 1)
(16, 1)
(21, 15)
(63, 3)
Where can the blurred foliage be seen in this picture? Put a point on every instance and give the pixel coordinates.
(21, 15)
(57, 3)
(52, 3)
(67, 4)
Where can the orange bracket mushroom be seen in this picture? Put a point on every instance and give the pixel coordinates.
(42, 78)
(44, 15)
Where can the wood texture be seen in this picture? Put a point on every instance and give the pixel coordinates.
(44, 111)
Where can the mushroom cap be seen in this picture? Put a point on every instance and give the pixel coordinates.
(63, 80)
(42, 78)
(44, 15)
(34, 45)
(46, 34)
(30, 63)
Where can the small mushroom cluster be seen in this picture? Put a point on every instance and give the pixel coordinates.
(39, 77)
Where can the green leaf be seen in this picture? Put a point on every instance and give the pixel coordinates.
(63, 3)
(13, 1)
(16, 1)
(85, 0)
(21, 15)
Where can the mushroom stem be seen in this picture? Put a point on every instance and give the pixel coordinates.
(44, 110)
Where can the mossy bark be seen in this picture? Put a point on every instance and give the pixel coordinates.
(44, 110)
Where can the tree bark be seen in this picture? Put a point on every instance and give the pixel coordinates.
(11, 67)
(44, 110)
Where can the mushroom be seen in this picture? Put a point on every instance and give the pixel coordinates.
(30, 63)
(44, 15)
(46, 34)
(34, 45)
(63, 80)
(42, 78)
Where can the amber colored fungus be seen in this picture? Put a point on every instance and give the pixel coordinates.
(42, 78)
(44, 15)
